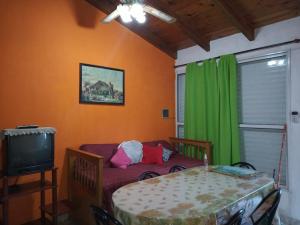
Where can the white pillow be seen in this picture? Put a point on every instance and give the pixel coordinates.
(133, 149)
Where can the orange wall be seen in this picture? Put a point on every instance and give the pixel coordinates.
(42, 44)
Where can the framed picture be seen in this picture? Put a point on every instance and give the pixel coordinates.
(101, 85)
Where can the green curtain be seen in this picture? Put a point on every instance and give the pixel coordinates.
(229, 131)
(195, 117)
(211, 107)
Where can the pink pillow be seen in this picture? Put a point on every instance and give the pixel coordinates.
(120, 159)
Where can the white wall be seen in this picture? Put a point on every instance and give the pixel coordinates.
(279, 32)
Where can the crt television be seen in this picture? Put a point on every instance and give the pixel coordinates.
(28, 153)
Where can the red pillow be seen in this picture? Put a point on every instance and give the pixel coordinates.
(152, 155)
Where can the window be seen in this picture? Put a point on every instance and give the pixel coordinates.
(180, 105)
(262, 107)
(262, 102)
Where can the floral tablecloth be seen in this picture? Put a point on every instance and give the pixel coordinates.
(193, 196)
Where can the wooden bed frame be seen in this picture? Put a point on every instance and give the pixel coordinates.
(85, 189)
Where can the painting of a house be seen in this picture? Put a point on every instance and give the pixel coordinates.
(101, 85)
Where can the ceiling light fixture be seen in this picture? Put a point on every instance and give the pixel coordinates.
(124, 13)
(137, 12)
(130, 10)
(127, 12)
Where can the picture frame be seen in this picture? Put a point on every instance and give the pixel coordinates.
(101, 85)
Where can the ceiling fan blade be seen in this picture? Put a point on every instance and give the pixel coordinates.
(159, 14)
(111, 17)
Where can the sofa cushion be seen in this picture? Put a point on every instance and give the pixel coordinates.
(152, 155)
(108, 150)
(120, 159)
(133, 149)
(166, 154)
(105, 150)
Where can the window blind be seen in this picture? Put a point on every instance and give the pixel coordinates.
(262, 101)
(262, 88)
(261, 148)
(180, 131)
(180, 97)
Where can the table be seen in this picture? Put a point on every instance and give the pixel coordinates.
(193, 196)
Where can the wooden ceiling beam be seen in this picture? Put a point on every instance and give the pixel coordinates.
(108, 6)
(235, 15)
(184, 25)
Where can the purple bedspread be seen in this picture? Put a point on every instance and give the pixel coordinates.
(114, 178)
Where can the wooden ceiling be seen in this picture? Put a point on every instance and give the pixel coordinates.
(200, 21)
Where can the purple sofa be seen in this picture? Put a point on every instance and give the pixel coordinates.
(114, 178)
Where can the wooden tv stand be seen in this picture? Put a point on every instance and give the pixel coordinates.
(8, 192)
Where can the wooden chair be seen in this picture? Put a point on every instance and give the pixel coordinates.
(176, 168)
(244, 165)
(266, 209)
(102, 217)
(148, 175)
(237, 218)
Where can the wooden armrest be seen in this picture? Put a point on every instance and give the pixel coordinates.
(89, 179)
(84, 154)
(85, 183)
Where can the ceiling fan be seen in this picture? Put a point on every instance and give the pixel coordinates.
(135, 9)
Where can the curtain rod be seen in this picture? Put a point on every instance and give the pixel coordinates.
(250, 50)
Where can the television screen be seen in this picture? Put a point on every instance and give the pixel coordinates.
(28, 153)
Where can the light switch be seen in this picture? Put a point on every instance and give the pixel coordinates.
(165, 113)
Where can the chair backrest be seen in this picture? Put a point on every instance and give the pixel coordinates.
(176, 168)
(147, 175)
(237, 218)
(102, 217)
(266, 209)
(244, 165)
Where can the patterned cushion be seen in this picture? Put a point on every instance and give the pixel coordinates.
(166, 154)
(133, 149)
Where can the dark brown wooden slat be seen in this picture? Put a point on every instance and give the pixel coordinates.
(236, 16)
(141, 30)
(183, 24)
(90, 170)
(94, 178)
(86, 181)
(43, 198)
(54, 196)
(80, 174)
(27, 188)
(5, 203)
